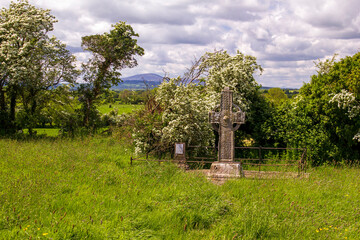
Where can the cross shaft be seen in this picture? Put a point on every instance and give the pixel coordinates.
(223, 122)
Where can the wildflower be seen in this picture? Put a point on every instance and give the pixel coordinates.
(44, 234)
(317, 230)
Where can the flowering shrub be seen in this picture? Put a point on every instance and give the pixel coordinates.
(185, 117)
(347, 101)
(186, 105)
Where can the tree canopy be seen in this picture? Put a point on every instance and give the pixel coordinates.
(31, 62)
(111, 52)
(325, 115)
(185, 102)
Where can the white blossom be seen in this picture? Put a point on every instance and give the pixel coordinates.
(186, 106)
(347, 101)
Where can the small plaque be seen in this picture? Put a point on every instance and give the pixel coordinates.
(179, 148)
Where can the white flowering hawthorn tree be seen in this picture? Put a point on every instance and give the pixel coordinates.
(346, 100)
(186, 104)
(31, 60)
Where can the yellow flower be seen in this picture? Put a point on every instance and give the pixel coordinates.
(44, 234)
(345, 229)
(317, 230)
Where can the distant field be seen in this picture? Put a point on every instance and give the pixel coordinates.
(122, 108)
(86, 189)
(51, 132)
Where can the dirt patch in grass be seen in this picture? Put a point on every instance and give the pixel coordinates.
(252, 174)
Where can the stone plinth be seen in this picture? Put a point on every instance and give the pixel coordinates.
(226, 170)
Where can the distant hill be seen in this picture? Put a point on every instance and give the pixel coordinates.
(149, 77)
(283, 88)
(139, 82)
(152, 80)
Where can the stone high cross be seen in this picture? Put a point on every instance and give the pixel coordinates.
(226, 122)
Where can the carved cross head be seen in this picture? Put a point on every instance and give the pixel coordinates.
(225, 117)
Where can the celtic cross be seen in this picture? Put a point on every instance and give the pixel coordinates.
(226, 122)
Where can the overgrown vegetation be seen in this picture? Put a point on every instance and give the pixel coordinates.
(57, 187)
(85, 189)
(33, 64)
(325, 115)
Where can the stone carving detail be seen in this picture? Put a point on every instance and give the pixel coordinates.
(224, 122)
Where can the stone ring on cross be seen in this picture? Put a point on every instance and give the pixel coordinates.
(228, 119)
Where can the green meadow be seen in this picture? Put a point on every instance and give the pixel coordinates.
(121, 108)
(103, 109)
(85, 188)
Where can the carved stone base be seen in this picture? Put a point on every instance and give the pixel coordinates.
(183, 166)
(226, 170)
(181, 163)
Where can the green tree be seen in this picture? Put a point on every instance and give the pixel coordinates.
(185, 102)
(325, 115)
(51, 65)
(276, 96)
(111, 52)
(61, 109)
(32, 62)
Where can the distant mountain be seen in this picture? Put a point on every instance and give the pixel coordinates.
(283, 88)
(149, 77)
(139, 82)
(152, 80)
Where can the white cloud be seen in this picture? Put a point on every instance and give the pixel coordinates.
(285, 36)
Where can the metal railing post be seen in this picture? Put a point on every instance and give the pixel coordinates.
(260, 158)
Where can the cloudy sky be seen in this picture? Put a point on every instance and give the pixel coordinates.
(285, 36)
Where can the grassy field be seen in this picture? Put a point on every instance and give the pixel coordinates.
(86, 189)
(51, 132)
(105, 108)
(121, 108)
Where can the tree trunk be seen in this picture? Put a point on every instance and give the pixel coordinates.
(32, 121)
(87, 112)
(3, 113)
(2, 99)
(12, 109)
(30, 129)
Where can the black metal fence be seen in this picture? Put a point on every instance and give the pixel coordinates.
(251, 158)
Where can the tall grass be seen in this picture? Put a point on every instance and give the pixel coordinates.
(86, 189)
